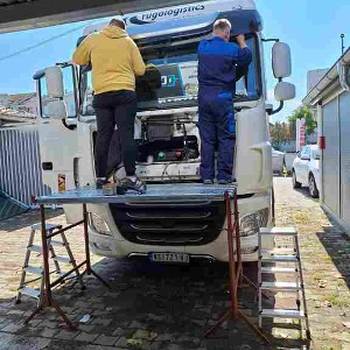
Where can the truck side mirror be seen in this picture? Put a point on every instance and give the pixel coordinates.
(55, 110)
(54, 82)
(281, 60)
(284, 91)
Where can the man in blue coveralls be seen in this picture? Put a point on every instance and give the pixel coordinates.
(218, 61)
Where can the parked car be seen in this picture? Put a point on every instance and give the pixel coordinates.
(278, 161)
(306, 169)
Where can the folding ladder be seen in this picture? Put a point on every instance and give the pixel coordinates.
(36, 293)
(289, 264)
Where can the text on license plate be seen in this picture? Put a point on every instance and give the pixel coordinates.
(179, 258)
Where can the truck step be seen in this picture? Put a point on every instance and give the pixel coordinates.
(277, 269)
(30, 292)
(278, 231)
(282, 313)
(281, 286)
(34, 270)
(279, 258)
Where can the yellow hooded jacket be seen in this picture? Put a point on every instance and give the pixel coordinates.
(115, 59)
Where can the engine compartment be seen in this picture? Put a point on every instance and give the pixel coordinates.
(168, 148)
(168, 138)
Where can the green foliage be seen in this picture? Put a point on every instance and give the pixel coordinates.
(280, 133)
(306, 114)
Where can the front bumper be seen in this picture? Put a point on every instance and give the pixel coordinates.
(117, 246)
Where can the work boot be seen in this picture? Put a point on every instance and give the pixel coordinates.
(100, 182)
(224, 182)
(134, 183)
(208, 182)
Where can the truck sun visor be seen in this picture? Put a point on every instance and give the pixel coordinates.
(244, 21)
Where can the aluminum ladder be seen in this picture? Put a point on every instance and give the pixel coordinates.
(37, 293)
(271, 263)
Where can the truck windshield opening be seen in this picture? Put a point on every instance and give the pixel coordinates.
(178, 65)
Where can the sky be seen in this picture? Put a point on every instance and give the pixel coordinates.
(312, 28)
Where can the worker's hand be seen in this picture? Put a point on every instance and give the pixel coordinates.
(241, 40)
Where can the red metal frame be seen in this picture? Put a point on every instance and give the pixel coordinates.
(47, 299)
(235, 268)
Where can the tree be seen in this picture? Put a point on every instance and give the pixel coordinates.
(280, 133)
(305, 113)
(293, 129)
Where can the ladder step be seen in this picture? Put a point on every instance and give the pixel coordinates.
(35, 248)
(281, 286)
(31, 292)
(277, 269)
(62, 259)
(282, 313)
(49, 227)
(279, 231)
(279, 258)
(34, 270)
(278, 251)
(58, 243)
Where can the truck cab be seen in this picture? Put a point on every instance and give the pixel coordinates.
(169, 149)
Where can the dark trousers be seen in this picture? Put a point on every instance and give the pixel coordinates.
(217, 131)
(115, 108)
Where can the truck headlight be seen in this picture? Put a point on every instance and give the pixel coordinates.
(100, 225)
(251, 223)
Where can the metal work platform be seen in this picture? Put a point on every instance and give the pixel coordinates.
(169, 193)
(179, 192)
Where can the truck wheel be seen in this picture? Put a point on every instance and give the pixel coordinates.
(313, 187)
(296, 184)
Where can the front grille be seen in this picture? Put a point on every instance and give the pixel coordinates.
(169, 224)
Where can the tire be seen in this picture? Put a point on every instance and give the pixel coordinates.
(296, 184)
(313, 187)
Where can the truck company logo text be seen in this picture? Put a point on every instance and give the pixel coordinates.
(152, 16)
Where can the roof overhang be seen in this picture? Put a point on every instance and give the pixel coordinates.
(329, 82)
(18, 15)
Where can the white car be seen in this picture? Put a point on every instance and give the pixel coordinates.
(306, 169)
(278, 161)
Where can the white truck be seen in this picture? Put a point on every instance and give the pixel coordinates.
(167, 136)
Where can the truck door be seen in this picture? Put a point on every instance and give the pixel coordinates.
(57, 125)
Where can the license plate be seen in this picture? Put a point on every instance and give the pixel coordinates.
(175, 258)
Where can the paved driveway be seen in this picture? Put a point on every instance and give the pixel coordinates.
(168, 307)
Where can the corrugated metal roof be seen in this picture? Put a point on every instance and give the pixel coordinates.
(326, 81)
(26, 14)
(13, 2)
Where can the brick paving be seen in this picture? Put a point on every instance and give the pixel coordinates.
(168, 307)
(325, 252)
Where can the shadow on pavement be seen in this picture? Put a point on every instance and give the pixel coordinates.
(337, 245)
(162, 304)
(26, 220)
(305, 192)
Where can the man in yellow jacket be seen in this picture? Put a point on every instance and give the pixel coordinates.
(116, 61)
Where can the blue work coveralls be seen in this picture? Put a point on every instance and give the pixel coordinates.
(218, 61)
